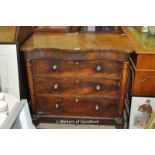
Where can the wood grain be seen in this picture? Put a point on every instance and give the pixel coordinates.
(81, 41)
(96, 68)
(85, 106)
(77, 85)
(51, 29)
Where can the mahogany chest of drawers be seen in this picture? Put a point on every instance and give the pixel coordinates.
(77, 83)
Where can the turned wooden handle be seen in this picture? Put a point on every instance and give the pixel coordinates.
(98, 68)
(55, 87)
(96, 107)
(98, 87)
(76, 63)
(57, 106)
(76, 100)
(54, 67)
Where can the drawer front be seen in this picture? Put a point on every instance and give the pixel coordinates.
(94, 68)
(77, 106)
(144, 83)
(145, 61)
(77, 86)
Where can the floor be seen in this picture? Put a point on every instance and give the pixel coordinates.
(72, 126)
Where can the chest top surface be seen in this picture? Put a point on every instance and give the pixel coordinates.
(77, 41)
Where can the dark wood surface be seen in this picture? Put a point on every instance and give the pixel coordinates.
(51, 29)
(89, 82)
(77, 85)
(86, 106)
(97, 68)
(22, 33)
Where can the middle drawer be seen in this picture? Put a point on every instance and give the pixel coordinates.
(77, 86)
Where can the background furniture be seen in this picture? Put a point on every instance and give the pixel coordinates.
(142, 62)
(24, 120)
(75, 76)
(19, 115)
(9, 72)
(53, 29)
(17, 35)
(112, 29)
(14, 34)
(18, 111)
(142, 65)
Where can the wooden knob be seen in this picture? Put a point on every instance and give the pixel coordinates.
(98, 87)
(54, 67)
(98, 68)
(55, 86)
(57, 106)
(76, 81)
(76, 63)
(96, 107)
(76, 100)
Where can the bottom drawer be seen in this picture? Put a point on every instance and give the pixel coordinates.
(81, 106)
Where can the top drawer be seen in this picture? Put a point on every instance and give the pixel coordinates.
(95, 68)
